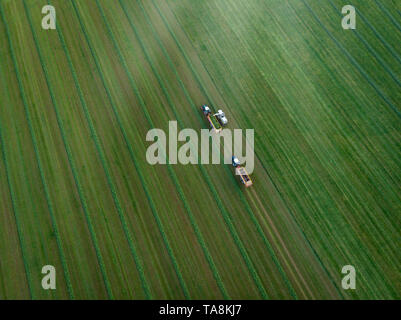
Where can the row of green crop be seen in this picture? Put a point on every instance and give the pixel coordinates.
(41, 172)
(66, 242)
(132, 157)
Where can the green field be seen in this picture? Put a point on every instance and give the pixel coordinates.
(76, 189)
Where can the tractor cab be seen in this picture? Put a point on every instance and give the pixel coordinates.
(206, 110)
(235, 161)
(220, 115)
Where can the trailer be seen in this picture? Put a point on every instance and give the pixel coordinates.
(241, 172)
(216, 120)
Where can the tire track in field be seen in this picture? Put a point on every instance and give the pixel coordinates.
(304, 235)
(175, 180)
(221, 206)
(276, 232)
(353, 61)
(37, 157)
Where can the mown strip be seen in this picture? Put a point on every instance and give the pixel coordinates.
(37, 156)
(159, 223)
(106, 170)
(384, 9)
(378, 35)
(69, 153)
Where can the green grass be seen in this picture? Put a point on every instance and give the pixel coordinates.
(78, 193)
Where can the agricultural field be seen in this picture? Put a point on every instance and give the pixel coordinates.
(78, 193)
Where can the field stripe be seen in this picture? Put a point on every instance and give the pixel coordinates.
(46, 189)
(384, 9)
(137, 259)
(325, 65)
(179, 188)
(185, 290)
(354, 62)
(13, 201)
(370, 49)
(207, 178)
(347, 117)
(378, 35)
(105, 166)
(70, 159)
